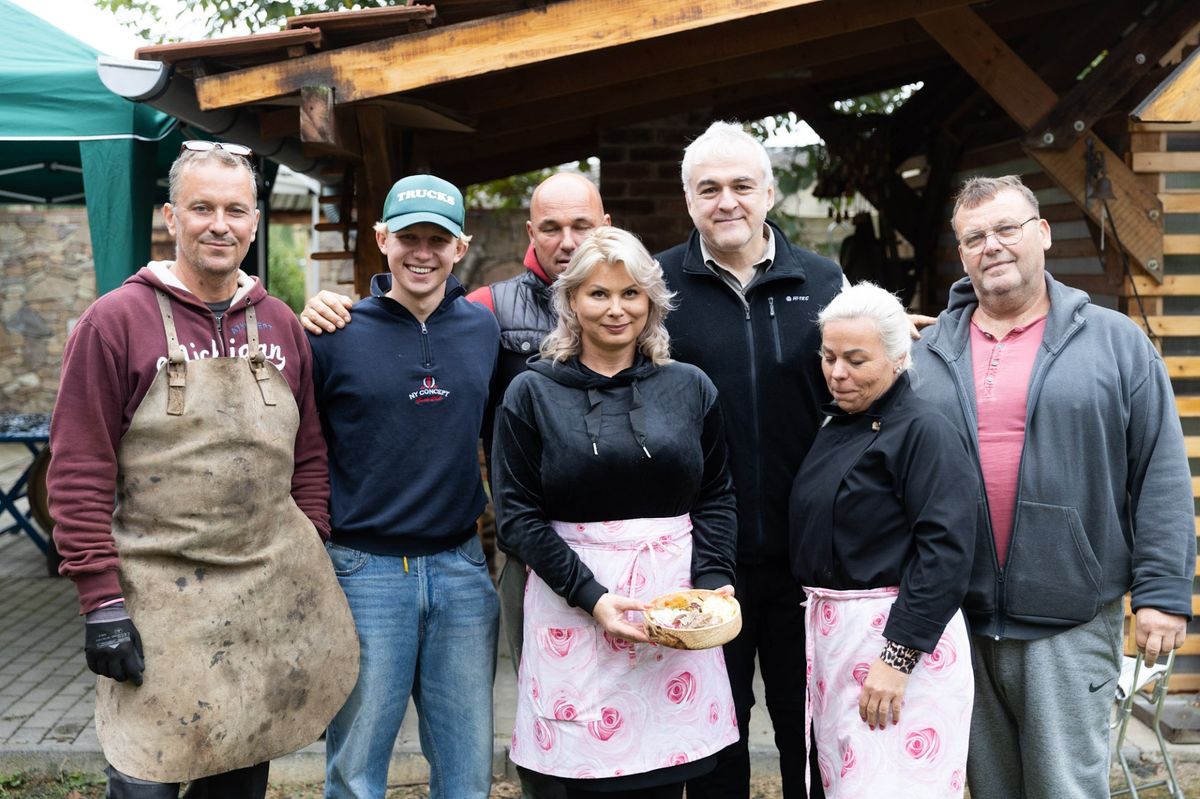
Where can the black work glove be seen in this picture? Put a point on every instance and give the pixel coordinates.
(112, 645)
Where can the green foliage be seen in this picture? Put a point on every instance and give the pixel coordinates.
(793, 228)
(815, 164)
(285, 270)
(510, 192)
(514, 191)
(885, 102)
(150, 21)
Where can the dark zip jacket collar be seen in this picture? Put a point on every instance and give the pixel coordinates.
(381, 284)
(877, 409)
(950, 337)
(788, 262)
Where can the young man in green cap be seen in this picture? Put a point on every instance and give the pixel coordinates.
(402, 394)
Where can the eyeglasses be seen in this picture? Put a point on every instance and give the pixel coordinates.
(1005, 234)
(204, 146)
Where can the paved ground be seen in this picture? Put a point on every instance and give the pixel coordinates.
(46, 691)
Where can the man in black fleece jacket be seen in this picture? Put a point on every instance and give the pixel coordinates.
(748, 302)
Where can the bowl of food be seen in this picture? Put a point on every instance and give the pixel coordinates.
(693, 619)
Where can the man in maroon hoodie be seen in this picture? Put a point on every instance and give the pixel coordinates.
(213, 616)
(563, 210)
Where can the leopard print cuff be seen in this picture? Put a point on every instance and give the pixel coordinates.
(901, 658)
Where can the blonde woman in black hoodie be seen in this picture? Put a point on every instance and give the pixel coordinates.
(611, 482)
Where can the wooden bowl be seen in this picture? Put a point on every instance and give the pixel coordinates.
(693, 637)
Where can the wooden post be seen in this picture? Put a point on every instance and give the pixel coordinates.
(375, 176)
(1027, 99)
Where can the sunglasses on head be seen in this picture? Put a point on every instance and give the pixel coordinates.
(203, 146)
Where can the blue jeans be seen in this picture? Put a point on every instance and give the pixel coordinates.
(429, 631)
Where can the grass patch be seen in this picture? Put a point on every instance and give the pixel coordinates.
(64, 785)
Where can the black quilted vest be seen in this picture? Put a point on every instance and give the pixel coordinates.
(522, 306)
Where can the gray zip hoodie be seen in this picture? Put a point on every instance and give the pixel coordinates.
(1104, 499)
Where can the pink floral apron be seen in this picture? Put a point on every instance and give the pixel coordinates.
(592, 706)
(925, 756)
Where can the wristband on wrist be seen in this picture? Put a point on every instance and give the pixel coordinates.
(901, 658)
(108, 613)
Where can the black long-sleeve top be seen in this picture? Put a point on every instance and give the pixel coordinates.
(573, 445)
(889, 497)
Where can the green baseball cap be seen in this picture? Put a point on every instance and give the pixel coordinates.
(424, 198)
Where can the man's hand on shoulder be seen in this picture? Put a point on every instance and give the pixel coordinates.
(1158, 633)
(112, 645)
(918, 322)
(326, 312)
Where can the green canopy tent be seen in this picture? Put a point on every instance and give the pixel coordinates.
(65, 138)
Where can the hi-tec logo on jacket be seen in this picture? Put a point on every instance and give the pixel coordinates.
(419, 194)
(796, 298)
(428, 392)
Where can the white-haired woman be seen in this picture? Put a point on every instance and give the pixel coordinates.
(883, 516)
(610, 482)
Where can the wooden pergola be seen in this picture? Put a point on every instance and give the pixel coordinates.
(476, 90)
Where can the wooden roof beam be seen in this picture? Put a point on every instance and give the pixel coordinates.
(1091, 98)
(364, 19)
(528, 37)
(788, 60)
(748, 46)
(1061, 58)
(858, 28)
(750, 78)
(1027, 99)
(745, 44)
(1177, 99)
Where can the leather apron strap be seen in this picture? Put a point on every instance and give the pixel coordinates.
(176, 363)
(258, 360)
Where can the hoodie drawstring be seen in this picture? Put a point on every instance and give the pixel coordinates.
(637, 418)
(592, 418)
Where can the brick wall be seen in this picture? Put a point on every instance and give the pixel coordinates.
(639, 177)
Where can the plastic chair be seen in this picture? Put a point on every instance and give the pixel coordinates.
(1133, 679)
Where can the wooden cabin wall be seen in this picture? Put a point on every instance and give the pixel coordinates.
(1074, 258)
(1167, 159)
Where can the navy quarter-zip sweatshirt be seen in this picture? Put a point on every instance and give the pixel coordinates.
(401, 405)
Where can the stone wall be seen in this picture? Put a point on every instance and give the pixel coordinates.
(46, 282)
(497, 248)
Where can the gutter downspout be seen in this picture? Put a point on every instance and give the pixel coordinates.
(156, 84)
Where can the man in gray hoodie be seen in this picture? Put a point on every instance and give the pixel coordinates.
(1087, 496)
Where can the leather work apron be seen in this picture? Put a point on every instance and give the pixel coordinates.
(249, 644)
